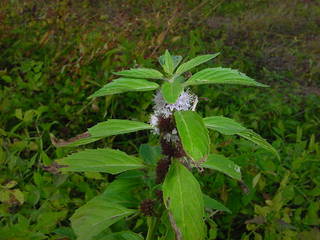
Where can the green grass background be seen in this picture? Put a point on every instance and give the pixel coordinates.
(53, 54)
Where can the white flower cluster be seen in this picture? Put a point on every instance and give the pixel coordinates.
(186, 101)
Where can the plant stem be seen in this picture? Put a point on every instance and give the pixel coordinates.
(152, 222)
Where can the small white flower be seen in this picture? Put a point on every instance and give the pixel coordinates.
(154, 123)
(169, 137)
(186, 101)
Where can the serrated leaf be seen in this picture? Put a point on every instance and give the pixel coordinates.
(171, 91)
(95, 216)
(214, 204)
(116, 127)
(101, 130)
(74, 142)
(257, 139)
(141, 73)
(193, 134)
(224, 165)
(224, 125)
(194, 62)
(122, 85)
(100, 160)
(222, 76)
(228, 126)
(183, 198)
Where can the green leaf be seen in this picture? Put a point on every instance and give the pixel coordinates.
(194, 62)
(168, 66)
(74, 142)
(222, 76)
(176, 60)
(257, 139)
(224, 165)
(122, 85)
(101, 130)
(193, 133)
(150, 154)
(214, 204)
(171, 91)
(116, 127)
(141, 73)
(228, 126)
(183, 198)
(125, 235)
(95, 216)
(120, 191)
(100, 160)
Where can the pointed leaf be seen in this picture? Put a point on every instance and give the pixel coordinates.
(183, 198)
(122, 85)
(176, 60)
(95, 216)
(168, 66)
(101, 130)
(224, 165)
(193, 133)
(80, 139)
(141, 73)
(100, 160)
(194, 62)
(222, 76)
(228, 126)
(214, 204)
(257, 139)
(171, 91)
(117, 126)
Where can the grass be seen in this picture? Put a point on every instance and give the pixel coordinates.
(54, 55)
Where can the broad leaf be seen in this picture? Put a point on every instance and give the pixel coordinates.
(194, 62)
(183, 198)
(224, 165)
(120, 191)
(228, 126)
(222, 76)
(214, 204)
(193, 133)
(124, 235)
(141, 73)
(116, 127)
(95, 216)
(171, 91)
(100, 160)
(150, 154)
(122, 85)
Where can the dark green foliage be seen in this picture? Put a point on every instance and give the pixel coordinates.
(54, 55)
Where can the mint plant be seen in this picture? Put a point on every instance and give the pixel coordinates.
(157, 185)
